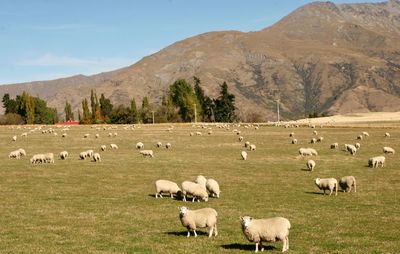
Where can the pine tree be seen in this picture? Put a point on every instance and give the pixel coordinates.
(145, 113)
(86, 115)
(205, 102)
(105, 107)
(225, 105)
(68, 112)
(184, 98)
(134, 115)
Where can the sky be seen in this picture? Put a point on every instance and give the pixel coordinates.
(49, 39)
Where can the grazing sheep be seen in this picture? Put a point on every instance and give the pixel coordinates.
(334, 146)
(387, 135)
(310, 165)
(346, 182)
(196, 190)
(213, 187)
(388, 150)
(313, 141)
(168, 145)
(64, 135)
(374, 162)
(267, 230)
(244, 155)
(210, 132)
(350, 148)
(240, 138)
(139, 145)
(365, 134)
(83, 155)
(110, 134)
(167, 186)
(315, 132)
(359, 137)
(200, 218)
(307, 152)
(115, 134)
(252, 147)
(147, 153)
(291, 134)
(49, 157)
(320, 139)
(14, 154)
(96, 157)
(191, 134)
(327, 184)
(63, 155)
(198, 133)
(86, 135)
(113, 146)
(357, 145)
(21, 152)
(97, 135)
(294, 141)
(38, 158)
(14, 138)
(201, 180)
(159, 144)
(24, 134)
(103, 147)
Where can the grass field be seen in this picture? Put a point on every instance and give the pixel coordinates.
(76, 206)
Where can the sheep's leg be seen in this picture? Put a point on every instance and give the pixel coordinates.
(355, 187)
(330, 191)
(156, 195)
(193, 199)
(195, 234)
(188, 234)
(215, 230)
(256, 247)
(287, 243)
(172, 196)
(184, 198)
(210, 232)
(261, 246)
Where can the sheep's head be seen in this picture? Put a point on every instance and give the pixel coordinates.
(183, 210)
(245, 221)
(317, 181)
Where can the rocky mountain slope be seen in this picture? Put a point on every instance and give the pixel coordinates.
(321, 58)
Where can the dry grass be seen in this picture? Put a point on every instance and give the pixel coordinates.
(78, 206)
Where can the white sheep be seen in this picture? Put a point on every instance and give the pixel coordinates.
(291, 134)
(365, 134)
(14, 154)
(357, 145)
(139, 145)
(113, 146)
(64, 135)
(83, 155)
(334, 145)
(24, 134)
(311, 165)
(167, 186)
(374, 162)
(327, 184)
(213, 187)
(387, 149)
(198, 133)
(103, 147)
(360, 137)
(115, 134)
(241, 138)
(86, 135)
(97, 135)
(315, 132)
(320, 139)
(14, 138)
(246, 144)
(195, 190)
(21, 152)
(110, 134)
(252, 147)
(267, 230)
(294, 141)
(244, 155)
(350, 148)
(387, 135)
(347, 182)
(38, 158)
(307, 152)
(63, 155)
(147, 153)
(96, 157)
(201, 180)
(168, 145)
(159, 144)
(313, 141)
(200, 218)
(49, 157)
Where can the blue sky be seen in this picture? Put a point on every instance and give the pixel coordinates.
(48, 39)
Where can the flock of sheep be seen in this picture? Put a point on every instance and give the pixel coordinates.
(255, 230)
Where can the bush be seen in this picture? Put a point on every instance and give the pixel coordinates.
(11, 119)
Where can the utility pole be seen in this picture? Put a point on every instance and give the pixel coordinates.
(152, 113)
(195, 113)
(277, 109)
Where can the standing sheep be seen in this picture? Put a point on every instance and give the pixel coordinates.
(196, 190)
(96, 157)
(346, 182)
(240, 138)
(168, 145)
(244, 155)
(200, 218)
(365, 134)
(357, 145)
(350, 148)
(388, 150)
(113, 146)
(21, 152)
(252, 147)
(307, 152)
(103, 147)
(213, 187)
(360, 137)
(148, 153)
(310, 165)
(320, 139)
(294, 141)
(327, 184)
(374, 162)
(167, 186)
(291, 134)
(268, 230)
(387, 135)
(313, 141)
(63, 155)
(201, 180)
(14, 138)
(334, 146)
(246, 144)
(159, 144)
(139, 145)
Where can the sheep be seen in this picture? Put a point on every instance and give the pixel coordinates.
(388, 150)
(200, 218)
(113, 146)
(191, 134)
(320, 139)
(357, 145)
(244, 155)
(14, 154)
(201, 180)
(307, 152)
(24, 134)
(268, 230)
(147, 153)
(198, 133)
(240, 138)
(168, 145)
(350, 148)
(374, 162)
(103, 147)
(365, 134)
(49, 157)
(252, 147)
(291, 134)
(38, 158)
(83, 155)
(213, 187)
(97, 135)
(89, 153)
(115, 134)
(246, 144)
(196, 190)
(315, 132)
(334, 145)
(96, 157)
(86, 135)
(294, 141)
(21, 152)
(64, 135)
(159, 144)
(387, 135)
(139, 145)
(346, 182)
(63, 155)
(313, 141)
(327, 184)
(359, 137)
(110, 134)
(210, 132)
(14, 138)
(310, 165)
(167, 186)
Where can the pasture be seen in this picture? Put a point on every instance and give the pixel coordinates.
(79, 206)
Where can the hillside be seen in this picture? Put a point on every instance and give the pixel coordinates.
(322, 58)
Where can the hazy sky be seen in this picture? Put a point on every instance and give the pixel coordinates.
(47, 39)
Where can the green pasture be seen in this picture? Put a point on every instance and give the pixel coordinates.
(76, 206)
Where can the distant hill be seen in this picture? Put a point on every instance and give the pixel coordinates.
(322, 58)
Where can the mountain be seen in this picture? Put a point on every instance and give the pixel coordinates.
(323, 57)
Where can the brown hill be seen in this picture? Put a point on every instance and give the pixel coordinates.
(322, 58)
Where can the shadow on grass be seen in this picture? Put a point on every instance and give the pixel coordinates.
(166, 197)
(314, 193)
(184, 233)
(306, 169)
(239, 246)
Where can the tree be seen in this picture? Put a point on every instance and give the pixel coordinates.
(225, 105)
(27, 108)
(105, 107)
(120, 115)
(167, 112)
(146, 114)
(184, 98)
(95, 108)
(68, 112)
(44, 114)
(205, 102)
(86, 115)
(134, 115)
(10, 105)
